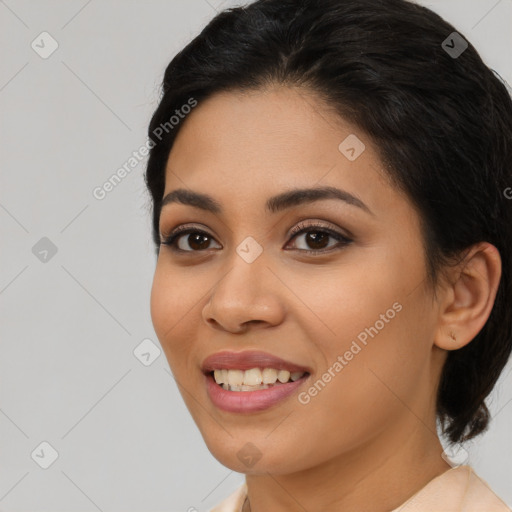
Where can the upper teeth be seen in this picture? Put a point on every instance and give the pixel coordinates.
(254, 376)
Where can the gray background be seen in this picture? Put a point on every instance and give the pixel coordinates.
(70, 324)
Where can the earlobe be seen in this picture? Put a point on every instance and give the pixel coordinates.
(469, 298)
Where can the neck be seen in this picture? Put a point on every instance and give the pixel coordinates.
(380, 477)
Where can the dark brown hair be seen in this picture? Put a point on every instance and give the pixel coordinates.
(441, 122)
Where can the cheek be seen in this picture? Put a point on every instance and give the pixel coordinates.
(169, 307)
(379, 384)
(377, 345)
(160, 302)
(345, 300)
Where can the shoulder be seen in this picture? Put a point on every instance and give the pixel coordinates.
(459, 489)
(234, 502)
(479, 496)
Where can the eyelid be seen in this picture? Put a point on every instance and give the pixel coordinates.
(182, 227)
(314, 223)
(300, 228)
(309, 223)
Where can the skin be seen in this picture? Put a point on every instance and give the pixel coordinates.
(367, 440)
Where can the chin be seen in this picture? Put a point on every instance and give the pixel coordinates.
(251, 457)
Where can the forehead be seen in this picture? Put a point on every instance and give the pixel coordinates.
(245, 147)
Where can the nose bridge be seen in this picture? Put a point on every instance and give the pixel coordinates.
(248, 275)
(246, 291)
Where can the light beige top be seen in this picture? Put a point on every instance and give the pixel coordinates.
(458, 489)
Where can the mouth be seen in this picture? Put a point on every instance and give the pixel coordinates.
(251, 381)
(252, 398)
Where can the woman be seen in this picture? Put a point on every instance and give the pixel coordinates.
(328, 180)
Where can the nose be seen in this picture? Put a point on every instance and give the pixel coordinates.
(248, 294)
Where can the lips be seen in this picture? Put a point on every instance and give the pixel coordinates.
(247, 360)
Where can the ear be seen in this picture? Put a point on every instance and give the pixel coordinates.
(468, 298)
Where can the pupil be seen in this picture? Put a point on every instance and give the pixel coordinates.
(315, 237)
(196, 238)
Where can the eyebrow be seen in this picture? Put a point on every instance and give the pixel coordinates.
(283, 201)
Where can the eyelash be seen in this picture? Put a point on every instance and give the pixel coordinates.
(301, 228)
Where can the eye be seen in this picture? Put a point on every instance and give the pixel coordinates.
(196, 239)
(317, 236)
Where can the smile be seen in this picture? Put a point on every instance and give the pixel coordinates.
(245, 398)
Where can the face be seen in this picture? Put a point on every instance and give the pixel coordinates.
(345, 297)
